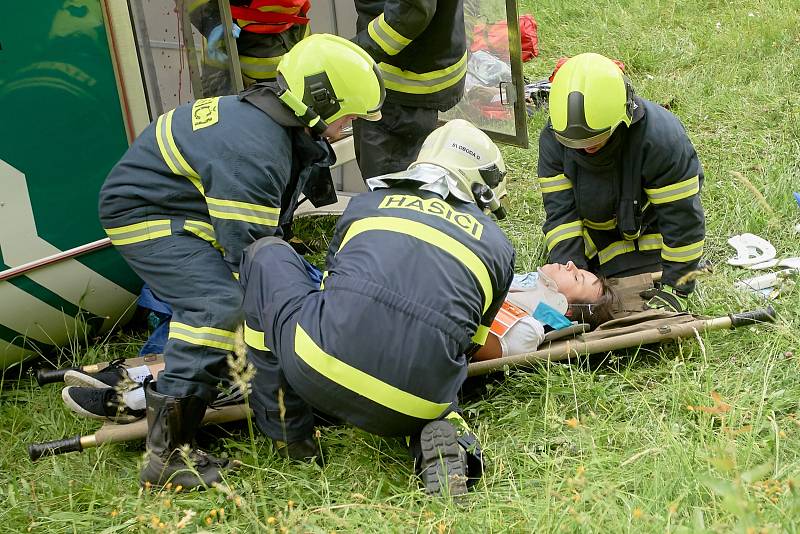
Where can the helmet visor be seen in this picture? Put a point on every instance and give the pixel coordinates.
(584, 143)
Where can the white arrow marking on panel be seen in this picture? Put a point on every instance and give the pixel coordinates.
(37, 320)
(20, 243)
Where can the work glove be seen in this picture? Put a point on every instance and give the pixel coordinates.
(665, 298)
(216, 42)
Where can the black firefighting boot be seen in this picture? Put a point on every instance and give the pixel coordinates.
(447, 456)
(171, 457)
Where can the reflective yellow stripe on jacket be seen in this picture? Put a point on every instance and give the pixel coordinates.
(254, 338)
(405, 81)
(217, 207)
(554, 183)
(202, 335)
(169, 151)
(563, 232)
(389, 39)
(433, 237)
(615, 249)
(683, 254)
(673, 192)
(603, 225)
(589, 248)
(650, 242)
(260, 68)
(362, 383)
(235, 210)
(204, 231)
(138, 232)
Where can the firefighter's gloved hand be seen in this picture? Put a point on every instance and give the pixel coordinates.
(665, 298)
(216, 42)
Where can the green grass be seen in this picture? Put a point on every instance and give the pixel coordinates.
(608, 444)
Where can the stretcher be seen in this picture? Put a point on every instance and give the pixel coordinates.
(632, 327)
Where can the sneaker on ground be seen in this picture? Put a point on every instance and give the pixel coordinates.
(110, 377)
(442, 464)
(105, 404)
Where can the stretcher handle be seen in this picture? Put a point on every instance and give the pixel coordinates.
(51, 448)
(761, 315)
(51, 376)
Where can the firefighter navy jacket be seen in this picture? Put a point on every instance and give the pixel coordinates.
(219, 167)
(412, 282)
(420, 47)
(632, 207)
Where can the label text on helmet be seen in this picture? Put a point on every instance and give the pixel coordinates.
(467, 150)
(438, 208)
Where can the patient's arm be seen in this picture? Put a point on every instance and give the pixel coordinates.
(489, 350)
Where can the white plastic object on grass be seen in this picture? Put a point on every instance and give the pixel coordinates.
(792, 263)
(764, 281)
(750, 250)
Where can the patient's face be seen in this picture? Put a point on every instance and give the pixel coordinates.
(579, 286)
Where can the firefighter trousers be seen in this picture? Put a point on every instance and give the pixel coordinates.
(191, 276)
(281, 305)
(280, 277)
(392, 143)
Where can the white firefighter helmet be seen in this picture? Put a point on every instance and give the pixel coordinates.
(475, 167)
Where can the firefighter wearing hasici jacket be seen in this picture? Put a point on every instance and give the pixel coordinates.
(620, 181)
(200, 184)
(420, 46)
(416, 272)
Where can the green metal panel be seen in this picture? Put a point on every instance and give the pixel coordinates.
(63, 129)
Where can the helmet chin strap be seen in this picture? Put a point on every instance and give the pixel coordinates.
(486, 199)
(306, 114)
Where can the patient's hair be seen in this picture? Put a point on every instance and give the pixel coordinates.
(598, 312)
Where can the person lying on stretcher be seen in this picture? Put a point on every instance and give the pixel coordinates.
(115, 393)
(547, 299)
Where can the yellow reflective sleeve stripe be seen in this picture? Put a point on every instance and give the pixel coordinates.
(673, 192)
(589, 248)
(563, 232)
(202, 335)
(362, 383)
(405, 81)
(615, 249)
(481, 334)
(650, 242)
(138, 232)
(170, 153)
(604, 225)
(322, 282)
(684, 253)
(204, 231)
(554, 183)
(243, 211)
(254, 338)
(433, 237)
(390, 40)
(260, 68)
(396, 36)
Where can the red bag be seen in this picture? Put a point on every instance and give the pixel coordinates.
(494, 38)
